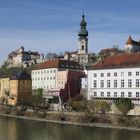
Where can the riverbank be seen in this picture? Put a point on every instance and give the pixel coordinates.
(101, 125)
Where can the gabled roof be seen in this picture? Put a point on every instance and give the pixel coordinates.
(118, 61)
(58, 63)
(131, 41)
(21, 75)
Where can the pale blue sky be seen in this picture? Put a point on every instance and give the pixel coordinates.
(52, 25)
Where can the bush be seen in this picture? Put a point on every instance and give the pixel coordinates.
(77, 103)
(102, 106)
(124, 104)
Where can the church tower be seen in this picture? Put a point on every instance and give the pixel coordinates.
(83, 42)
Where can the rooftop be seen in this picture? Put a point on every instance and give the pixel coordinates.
(21, 75)
(57, 63)
(131, 41)
(118, 61)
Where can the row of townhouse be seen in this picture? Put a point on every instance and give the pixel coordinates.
(59, 79)
(114, 77)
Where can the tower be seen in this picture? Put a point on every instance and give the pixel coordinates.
(83, 42)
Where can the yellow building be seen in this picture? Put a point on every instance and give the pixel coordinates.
(20, 88)
(4, 86)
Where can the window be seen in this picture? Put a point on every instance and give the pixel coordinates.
(115, 94)
(129, 73)
(95, 83)
(137, 94)
(122, 73)
(137, 73)
(82, 47)
(102, 74)
(108, 94)
(137, 83)
(122, 83)
(102, 94)
(122, 94)
(95, 94)
(108, 74)
(129, 94)
(115, 83)
(115, 73)
(95, 75)
(108, 83)
(102, 83)
(129, 83)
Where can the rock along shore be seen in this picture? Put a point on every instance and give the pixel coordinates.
(101, 125)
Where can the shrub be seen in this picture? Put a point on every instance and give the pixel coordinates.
(102, 106)
(124, 104)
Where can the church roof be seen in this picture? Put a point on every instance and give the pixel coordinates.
(118, 61)
(83, 31)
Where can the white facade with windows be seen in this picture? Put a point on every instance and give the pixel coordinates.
(44, 78)
(114, 83)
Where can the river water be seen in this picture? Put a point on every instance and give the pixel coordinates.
(18, 129)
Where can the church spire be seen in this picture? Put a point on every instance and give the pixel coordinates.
(83, 42)
(83, 24)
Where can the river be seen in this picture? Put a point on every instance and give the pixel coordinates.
(18, 129)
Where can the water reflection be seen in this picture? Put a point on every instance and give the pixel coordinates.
(17, 129)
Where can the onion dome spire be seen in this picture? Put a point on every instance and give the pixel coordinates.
(83, 24)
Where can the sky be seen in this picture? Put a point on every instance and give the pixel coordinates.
(52, 25)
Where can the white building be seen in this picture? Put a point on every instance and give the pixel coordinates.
(54, 77)
(116, 76)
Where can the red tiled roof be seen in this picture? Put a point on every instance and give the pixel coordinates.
(57, 63)
(131, 41)
(118, 61)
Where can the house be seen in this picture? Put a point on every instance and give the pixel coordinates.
(132, 46)
(4, 87)
(20, 88)
(115, 76)
(59, 79)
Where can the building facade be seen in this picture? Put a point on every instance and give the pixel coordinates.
(117, 76)
(57, 78)
(20, 88)
(22, 58)
(4, 87)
